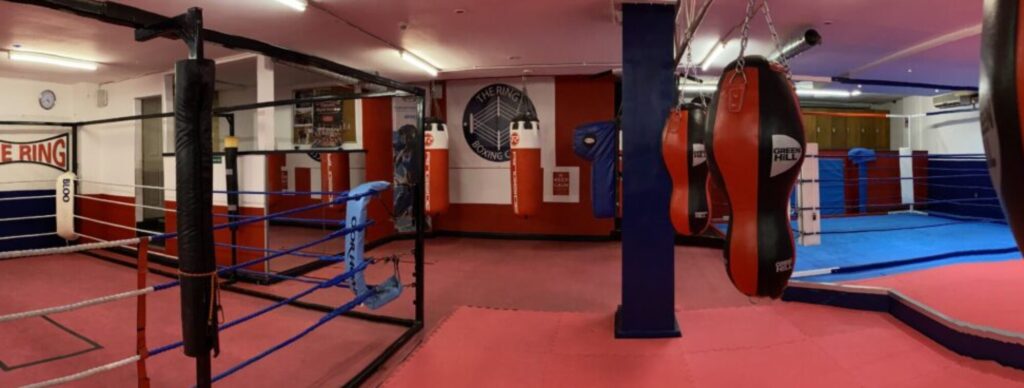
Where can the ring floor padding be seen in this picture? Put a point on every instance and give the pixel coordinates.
(772, 345)
(329, 356)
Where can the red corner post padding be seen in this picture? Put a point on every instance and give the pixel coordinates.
(755, 149)
(682, 148)
(1002, 85)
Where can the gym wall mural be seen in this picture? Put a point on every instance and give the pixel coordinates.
(404, 116)
(480, 143)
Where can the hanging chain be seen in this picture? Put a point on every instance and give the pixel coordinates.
(522, 96)
(778, 42)
(744, 37)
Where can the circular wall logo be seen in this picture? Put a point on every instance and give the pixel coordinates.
(487, 116)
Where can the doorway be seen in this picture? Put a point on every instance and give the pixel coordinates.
(152, 166)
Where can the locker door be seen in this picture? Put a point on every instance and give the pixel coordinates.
(823, 129)
(810, 129)
(838, 129)
(854, 131)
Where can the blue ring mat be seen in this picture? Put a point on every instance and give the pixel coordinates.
(935, 240)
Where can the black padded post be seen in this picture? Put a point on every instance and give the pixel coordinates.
(193, 122)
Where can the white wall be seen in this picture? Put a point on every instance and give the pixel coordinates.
(955, 133)
(19, 101)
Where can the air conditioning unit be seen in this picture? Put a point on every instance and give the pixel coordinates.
(955, 99)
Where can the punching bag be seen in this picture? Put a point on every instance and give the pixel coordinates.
(755, 147)
(435, 139)
(1002, 84)
(527, 175)
(334, 175)
(682, 148)
(598, 143)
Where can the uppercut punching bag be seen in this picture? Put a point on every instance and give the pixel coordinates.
(1002, 86)
(755, 148)
(435, 139)
(527, 175)
(682, 148)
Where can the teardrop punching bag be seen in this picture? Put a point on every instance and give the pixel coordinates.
(755, 147)
(682, 148)
(527, 175)
(1002, 87)
(435, 139)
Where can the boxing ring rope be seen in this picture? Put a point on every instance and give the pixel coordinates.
(86, 373)
(947, 193)
(139, 293)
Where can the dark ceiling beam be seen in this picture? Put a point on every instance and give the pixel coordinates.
(137, 18)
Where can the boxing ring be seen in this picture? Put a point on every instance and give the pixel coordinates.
(893, 214)
(211, 240)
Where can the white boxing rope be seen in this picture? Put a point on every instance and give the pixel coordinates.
(24, 182)
(27, 198)
(97, 199)
(27, 218)
(66, 206)
(119, 226)
(125, 185)
(85, 373)
(127, 244)
(76, 305)
(5, 238)
(69, 249)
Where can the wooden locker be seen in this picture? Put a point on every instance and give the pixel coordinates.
(854, 132)
(810, 128)
(823, 130)
(838, 132)
(882, 140)
(870, 134)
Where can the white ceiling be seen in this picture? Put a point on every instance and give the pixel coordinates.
(502, 37)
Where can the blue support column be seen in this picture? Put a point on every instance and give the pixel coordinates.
(648, 92)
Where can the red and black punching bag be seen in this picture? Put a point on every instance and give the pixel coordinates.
(527, 174)
(682, 148)
(1002, 89)
(755, 148)
(435, 140)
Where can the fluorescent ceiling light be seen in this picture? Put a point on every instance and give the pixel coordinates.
(423, 65)
(799, 92)
(715, 52)
(822, 93)
(51, 60)
(298, 5)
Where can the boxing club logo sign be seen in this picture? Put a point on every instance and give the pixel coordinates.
(786, 152)
(487, 116)
(50, 152)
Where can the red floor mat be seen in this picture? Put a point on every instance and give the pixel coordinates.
(772, 345)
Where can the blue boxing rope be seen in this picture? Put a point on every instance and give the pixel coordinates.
(333, 282)
(327, 318)
(265, 250)
(330, 236)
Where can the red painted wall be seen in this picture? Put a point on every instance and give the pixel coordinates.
(380, 165)
(106, 212)
(251, 235)
(578, 100)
